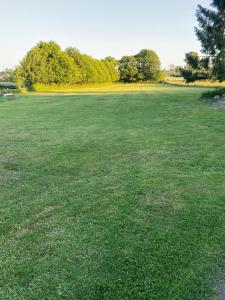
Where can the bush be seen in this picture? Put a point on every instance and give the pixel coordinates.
(8, 85)
(162, 76)
(210, 94)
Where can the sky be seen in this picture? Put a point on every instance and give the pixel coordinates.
(100, 27)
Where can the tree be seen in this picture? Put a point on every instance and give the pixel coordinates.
(93, 70)
(84, 63)
(46, 63)
(7, 75)
(112, 70)
(197, 68)
(128, 69)
(192, 59)
(148, 64)
(112, 60)
(141, 67)
(173, 71)
(211, 33)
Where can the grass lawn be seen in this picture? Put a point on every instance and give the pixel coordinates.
(112, 193)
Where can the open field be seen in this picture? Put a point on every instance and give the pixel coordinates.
(111, 88)
(121, 87)
(112, 193)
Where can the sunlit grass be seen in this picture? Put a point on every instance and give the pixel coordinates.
(200, 83)
(109, 88)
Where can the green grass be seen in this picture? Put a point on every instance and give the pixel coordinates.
(111, 194)
(199, 83)
(113, 88)
(61, 88)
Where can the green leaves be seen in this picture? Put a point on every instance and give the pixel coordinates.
(47, 64)
(143, 66)
(211, 34)
(197, 68)
(128, 69)
(148, 64)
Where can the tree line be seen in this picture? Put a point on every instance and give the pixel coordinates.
(48, 64)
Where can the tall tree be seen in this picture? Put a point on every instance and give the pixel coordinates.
(197, 68)
(112, 70)
(128, 69)
(94, 70)
(148, 64)
(211, 33)
(46, 63)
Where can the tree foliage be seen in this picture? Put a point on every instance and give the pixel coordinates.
(128, 69)
(197, 68)
(143, 66)
(46, 63)
(211, 33)
(6, 75)
(148, 64)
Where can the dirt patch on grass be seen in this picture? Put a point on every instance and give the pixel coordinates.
(220, 292)
(219, 105)
(39, 221)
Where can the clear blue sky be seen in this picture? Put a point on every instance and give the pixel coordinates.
(100, 27)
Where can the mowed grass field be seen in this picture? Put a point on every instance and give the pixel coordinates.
(112, 193)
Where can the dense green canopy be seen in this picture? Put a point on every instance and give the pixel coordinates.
(211, 33)
(93, 70)
(148, 64)
(47, 63)
(128, 69)
(143, 66)
(197, 68)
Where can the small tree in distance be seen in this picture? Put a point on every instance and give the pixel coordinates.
(144, 66)
(128, 69)
(148, 64)
(197, 68)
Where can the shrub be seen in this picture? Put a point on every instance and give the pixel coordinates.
(7, 85)
(217, 92)
(162, 76)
